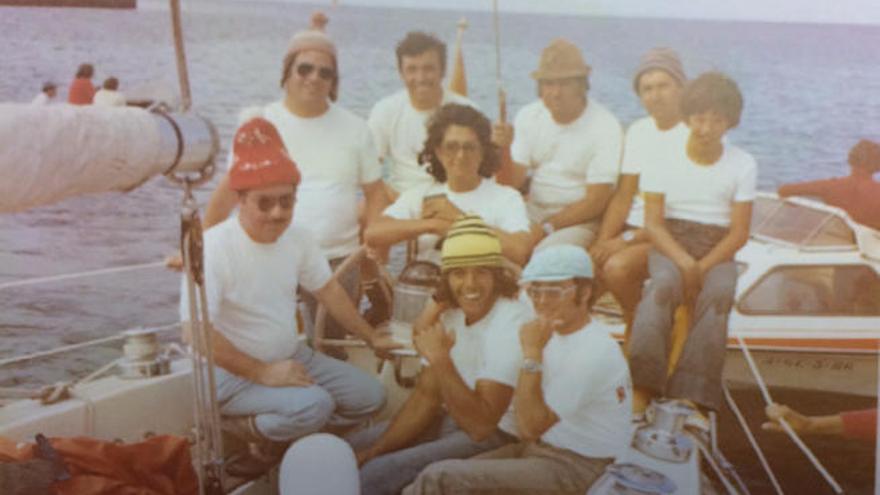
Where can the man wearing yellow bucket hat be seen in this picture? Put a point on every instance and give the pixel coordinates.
(463, 392)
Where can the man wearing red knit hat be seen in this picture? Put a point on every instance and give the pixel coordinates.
(332, 147)
(271, 387)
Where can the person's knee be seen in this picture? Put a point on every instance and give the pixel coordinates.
(439, 476)
(320, 407)
(617, 271)
(373, 396)
(719, 292)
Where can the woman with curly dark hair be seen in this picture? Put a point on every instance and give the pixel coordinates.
(459, 154)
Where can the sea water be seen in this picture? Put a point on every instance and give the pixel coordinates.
(811, 91)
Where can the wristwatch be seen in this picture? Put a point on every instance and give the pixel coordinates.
(532, 366)
(628, 236)
(548, 228)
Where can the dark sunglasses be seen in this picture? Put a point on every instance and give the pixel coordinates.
(325, 73)
(267, 203)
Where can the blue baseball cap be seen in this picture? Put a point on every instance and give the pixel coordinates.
(557, 263)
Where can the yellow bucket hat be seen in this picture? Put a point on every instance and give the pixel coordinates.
(470, 242)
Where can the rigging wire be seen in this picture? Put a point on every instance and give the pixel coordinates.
(785, 426)
(91, 273)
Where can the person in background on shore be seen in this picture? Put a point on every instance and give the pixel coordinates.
(621, 250)
(460, 156)
(858, 193)
(571, 400)
(569, 143)
(81, 91)
(860, 425)
(271, 388)
(109, 95)
(467, 384)
(47, 95)
(334, 151)
(697, 214)
(399, 121)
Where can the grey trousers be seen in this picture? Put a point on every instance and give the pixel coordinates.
(389, 473)
(697, 376)
(341, 396)
(521, 468)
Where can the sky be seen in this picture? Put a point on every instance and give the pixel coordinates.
(818, 11)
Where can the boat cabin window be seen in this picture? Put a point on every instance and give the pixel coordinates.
(830, 290)
(799, 225)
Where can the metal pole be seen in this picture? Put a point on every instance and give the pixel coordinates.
(182, 74)
(502, 95)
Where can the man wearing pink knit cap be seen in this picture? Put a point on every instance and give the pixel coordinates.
(270, 387)
(332, 147)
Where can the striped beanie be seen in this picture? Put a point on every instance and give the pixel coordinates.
(665, 59)
(470, 242)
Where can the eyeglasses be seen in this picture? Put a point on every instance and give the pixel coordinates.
(453, 147)
(267, 203)
(325, 73)
(549, 292)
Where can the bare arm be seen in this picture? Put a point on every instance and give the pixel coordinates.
(221, 203)
(340, 307)
(418, 412)
(515, 246)
(533, 415)
(478, 411)
(737, 236)
(618, 208)
(386, 231)
(586, 209)
(822, 425)
(284, 373)
(376, 200)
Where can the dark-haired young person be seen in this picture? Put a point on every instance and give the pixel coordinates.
(462, 394)
(398, 121)
(697, 214)
(459, 154)
(81, 90)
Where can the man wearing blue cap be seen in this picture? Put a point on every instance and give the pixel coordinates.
(572, 395)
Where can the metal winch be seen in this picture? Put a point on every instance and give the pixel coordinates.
(141, 358)
(414, 287)
(663, 437)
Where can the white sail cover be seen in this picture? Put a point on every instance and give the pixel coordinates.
(51, 152)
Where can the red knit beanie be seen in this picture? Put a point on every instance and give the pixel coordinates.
(259, 158)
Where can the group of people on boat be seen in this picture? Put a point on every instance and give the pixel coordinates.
(82, 91)
(521, 391)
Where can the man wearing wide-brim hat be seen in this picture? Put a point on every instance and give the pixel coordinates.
(565, 150)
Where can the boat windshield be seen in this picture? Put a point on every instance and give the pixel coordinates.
(792, 223)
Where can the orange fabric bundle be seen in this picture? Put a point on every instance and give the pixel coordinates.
(160, 465)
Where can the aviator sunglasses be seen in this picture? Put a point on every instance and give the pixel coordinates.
(266, 203)
(325, 73)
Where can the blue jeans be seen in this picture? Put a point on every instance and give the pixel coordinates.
(388, 474)
(341, 396)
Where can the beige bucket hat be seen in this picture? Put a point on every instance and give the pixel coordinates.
(559, 60)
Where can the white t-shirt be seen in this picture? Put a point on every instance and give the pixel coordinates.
(477, 351)
(586, 383)
(108, 98)
(251, 287)
(335, 155)
(399, 131)
(704, 193)
(500, 206)
(563, 159)
(648, 148)
(41, 99)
